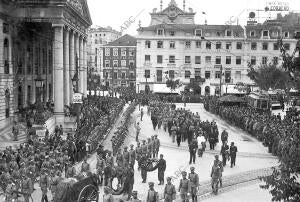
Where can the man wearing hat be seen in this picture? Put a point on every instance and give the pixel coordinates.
(70, 170)
(194, 181)
(184, 187)
(232, 151)
(119, 158)
(134, 197)
(44, 184)
(170, 191)
(85, 167)
(10, 192)
(46, 163)
(157, 145)
(132, 155)
(149, 148)
(161, 166)
(152, 195)
(138, 152)
(220, 164)
(100, 167)
(142, 164)
(125, 157)
(144, 148)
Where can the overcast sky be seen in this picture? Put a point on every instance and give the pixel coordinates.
(115, 13)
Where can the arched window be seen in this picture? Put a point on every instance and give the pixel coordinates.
(7, 102)
(6, 56)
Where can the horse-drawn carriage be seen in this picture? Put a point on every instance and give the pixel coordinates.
(83, 188)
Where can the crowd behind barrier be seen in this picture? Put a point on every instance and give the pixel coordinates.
(272, 130)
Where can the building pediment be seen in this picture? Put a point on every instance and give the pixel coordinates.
(172, 11)
(81, 8)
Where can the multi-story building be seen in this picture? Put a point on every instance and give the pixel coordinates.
(119, 62)
(215, 56)
(97, 38)
(39, 44)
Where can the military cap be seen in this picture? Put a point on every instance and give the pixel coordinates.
(169, 178)
(125, 147)
(192, 168)
(144, 140)
(183, 173)
(134, 192)
(155, 135)
(216, 156)
(151, 184)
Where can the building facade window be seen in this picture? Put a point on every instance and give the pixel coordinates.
(147, 44)
(207, 59)
(265, 33)
(131, 63)
(115, 52)
(252, 33)
(123, 52)
(159, 75)
(218, 60)
(107, 63)
(160, 32)
(239, 45)
(218, 45)
(228, 60)
(172, 44)
(198, 32)
(6, 56)
(171, 74)
(159, 59)
(265, 46)
(107, 51)
(187, 60)
(198, 44)
(147, 58)
(286, 46)
(275, 46)
(238, 60)
(188, 44)
(197, 59)
(147, 73)
(208, 45)
(7, 103)
(253, 60)
(228, 45)
(131, 52)
(228, 33)
(217, 74)
(253, 46)
(172, 33)
(123, 63)
(197, 74)
(286, 34)
(116, 63)
(275, 60)
(172, 59)
(238, 75)
(187, 74)
(207, 74)
(264, 60)
(160, 44)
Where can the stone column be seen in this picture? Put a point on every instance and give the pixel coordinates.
(85, 69)
(66, 68)
(81, 68)
(71, 63)
(58, 73)
(77, 56)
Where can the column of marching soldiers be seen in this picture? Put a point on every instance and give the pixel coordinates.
(181, 125)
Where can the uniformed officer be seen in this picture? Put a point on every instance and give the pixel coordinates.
(149, 147)
(126, 157)
(4, 178)
(46, 163)
(157, 145)
(161, 169)
(144, 148)
(152, 195)
(10, 192)
(100, 167)
(138, 151)
(184, 188)
(26, 186)
(44, 184)
(170, 191)
(71, 171)
(132, 155)
(109, 159)
(135, 197)
(143, 167)
(119, 158)
(85, 167)
(194, 180)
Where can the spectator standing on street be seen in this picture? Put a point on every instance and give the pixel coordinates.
(224, 152)
(233, 150)
(224, 136)
(161, 169)
(194, 180)
(170, 191)
(193, 146)
(215, 175)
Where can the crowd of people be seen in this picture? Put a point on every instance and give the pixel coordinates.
(269, 128)
(45, 159)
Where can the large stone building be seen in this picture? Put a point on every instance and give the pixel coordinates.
(41, 40)
(119, 62)
(97, 38)
(174, 47)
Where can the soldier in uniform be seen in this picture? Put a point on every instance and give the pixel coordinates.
(194, 180)
(100, 167)
(13, 165)
(161, 169)
(157, 145)
(71, 171)
(149, 148)
(109, 160)
(32, 171)
(26, 186)
(44, 184)
(119, 158)
(153, 146)
(132, 155)
(125, 157)
(216, 173)
(10, 192)
(46, 163)
(143, 167)
(184, 188)
(135, 197)
(144, 148)
(85, 167)
(4, 178)
(138, 152)
(170, 191)
(220, 164)
(152, 195)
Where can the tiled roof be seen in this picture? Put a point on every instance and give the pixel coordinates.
(125, 40)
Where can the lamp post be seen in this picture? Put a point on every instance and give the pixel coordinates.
(39, 84)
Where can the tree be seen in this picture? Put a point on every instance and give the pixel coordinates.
(284, 182)
(173, 84)
(269, 76)
(194, 87)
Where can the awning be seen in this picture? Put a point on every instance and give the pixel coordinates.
(162, 88)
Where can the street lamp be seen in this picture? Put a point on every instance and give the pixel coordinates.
(39, 84)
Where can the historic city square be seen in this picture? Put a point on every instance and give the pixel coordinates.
(148, 101)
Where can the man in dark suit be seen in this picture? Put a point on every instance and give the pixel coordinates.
(232, 151)
(161, 169)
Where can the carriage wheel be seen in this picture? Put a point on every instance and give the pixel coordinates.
(88, 194)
